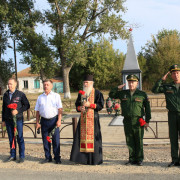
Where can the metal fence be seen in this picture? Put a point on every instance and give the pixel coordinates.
(30, 114)
(32, 127)
(155, 130)
(157, 102)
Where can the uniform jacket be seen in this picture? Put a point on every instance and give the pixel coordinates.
(20, 99)
(136, 105)
(172, 95)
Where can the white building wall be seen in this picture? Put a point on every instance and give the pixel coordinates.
(31, 88)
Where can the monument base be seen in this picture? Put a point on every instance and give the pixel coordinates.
(117, 121)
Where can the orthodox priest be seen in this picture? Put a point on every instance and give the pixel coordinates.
(87, 145)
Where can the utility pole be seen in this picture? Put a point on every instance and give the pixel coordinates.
(15, 63)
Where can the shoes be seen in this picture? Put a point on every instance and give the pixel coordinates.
(130, 163)
(10, 159)
(58, 161)
(173, 164)
(46, 161)
(21, 160)
(139, 163)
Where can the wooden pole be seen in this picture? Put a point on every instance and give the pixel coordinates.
(74, 121)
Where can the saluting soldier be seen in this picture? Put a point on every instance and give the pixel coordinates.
(134, 105)
(172, 95)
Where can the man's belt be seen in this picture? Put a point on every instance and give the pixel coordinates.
(48, 119)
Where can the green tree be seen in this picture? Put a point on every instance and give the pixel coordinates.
(38, 55)
(161, 53)
(6, 67)
(7, 70)
(75, 21)
(103, 61)
(106, 64)
(3, 23)
(144, 68)
(34, 47)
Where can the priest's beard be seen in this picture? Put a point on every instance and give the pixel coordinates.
(87, 90)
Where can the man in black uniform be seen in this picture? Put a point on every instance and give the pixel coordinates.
(172, 95)
(14, 96)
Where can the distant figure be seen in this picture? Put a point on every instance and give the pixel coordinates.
(172, 95)
(109, 105)
(13, 96)
(134, 105)
(87, 144)
(49, 108)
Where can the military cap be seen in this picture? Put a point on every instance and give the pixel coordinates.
(132, 77)
(175, 67)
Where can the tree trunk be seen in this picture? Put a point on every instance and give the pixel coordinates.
(42, 76)
(2, 87)
(66, 88)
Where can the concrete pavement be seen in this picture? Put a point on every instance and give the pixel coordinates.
(15, 174)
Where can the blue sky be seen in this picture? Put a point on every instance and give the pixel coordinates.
(151, 16)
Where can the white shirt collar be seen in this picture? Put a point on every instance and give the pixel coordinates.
(48, 94)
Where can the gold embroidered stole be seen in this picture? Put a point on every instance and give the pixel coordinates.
(87, 127)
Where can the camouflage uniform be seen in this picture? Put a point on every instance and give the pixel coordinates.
(133, 107)
(172, 95)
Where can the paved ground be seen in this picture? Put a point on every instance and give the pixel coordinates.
(61, 175)
(156, 160)
(115, 154)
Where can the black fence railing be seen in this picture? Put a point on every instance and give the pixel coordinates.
(32, 127)
(30, 114)
(157, 102)
(155, 130)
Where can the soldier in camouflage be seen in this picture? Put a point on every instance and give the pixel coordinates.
(172, 95)
(134, 105)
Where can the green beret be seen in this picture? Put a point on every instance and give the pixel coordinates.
(175, 67)
(132, 77)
